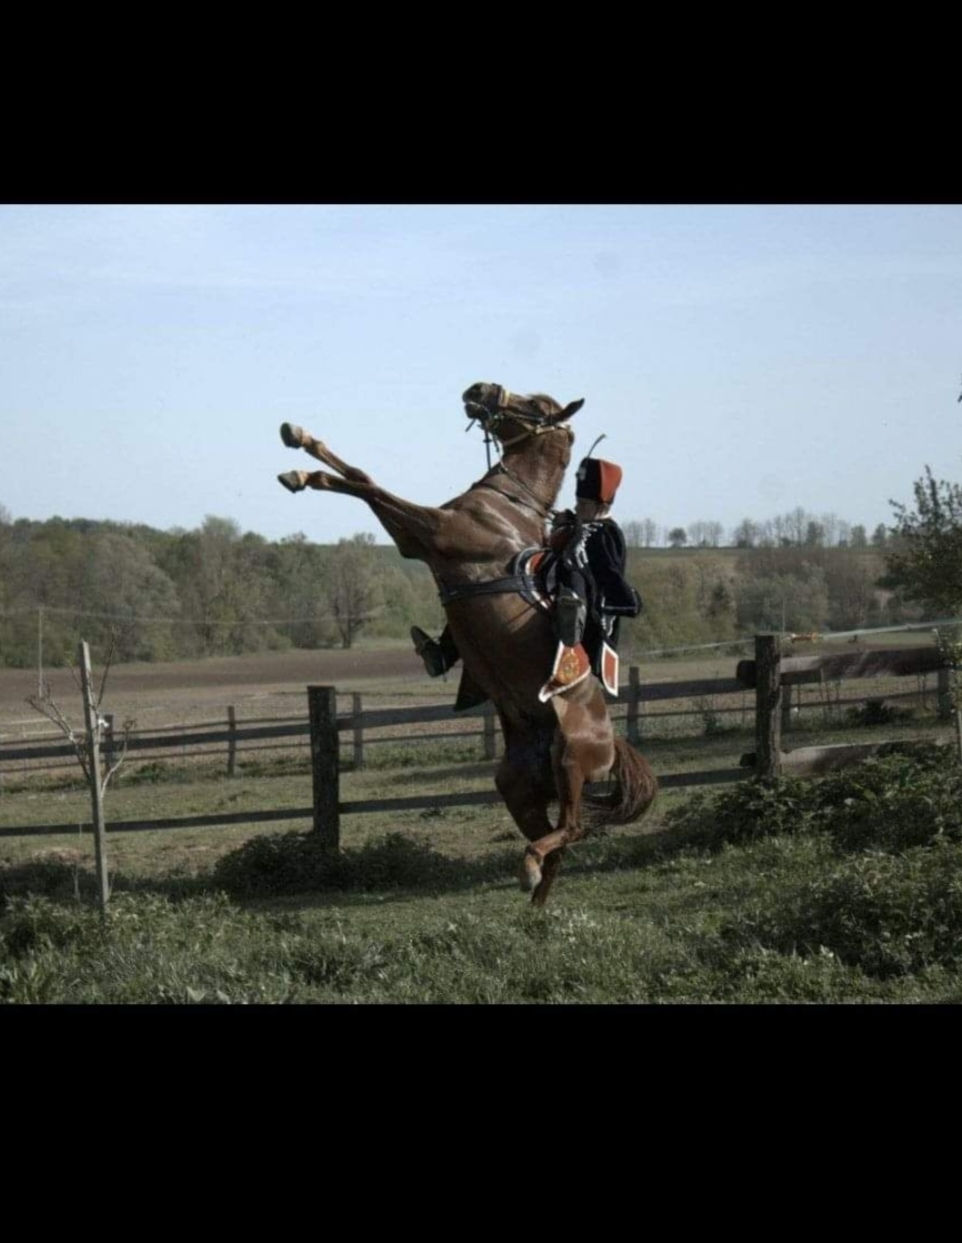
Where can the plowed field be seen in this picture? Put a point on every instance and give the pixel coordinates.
(272, 684)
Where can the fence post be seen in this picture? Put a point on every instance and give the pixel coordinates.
(322, 709)
(945, 694)
(768, 695)
(358, 730)
(231, 741)
(490, 749)
(633, 727)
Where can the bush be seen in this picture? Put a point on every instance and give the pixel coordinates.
(297, 862)
(750, 810)
(911, 796)
(893, 802)
(878, 712)
(885, 914)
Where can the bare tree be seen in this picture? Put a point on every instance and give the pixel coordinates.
(746, 534)
(797, 524)
(87, 749)
(634, 534)
(351, 587)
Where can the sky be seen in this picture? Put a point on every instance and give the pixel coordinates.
(741, 360)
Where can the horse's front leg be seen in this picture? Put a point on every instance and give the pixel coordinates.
(297, 438)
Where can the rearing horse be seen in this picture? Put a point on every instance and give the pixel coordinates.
(506, 643)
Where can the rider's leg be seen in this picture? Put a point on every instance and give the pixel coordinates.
(438, 654)
(571, 610)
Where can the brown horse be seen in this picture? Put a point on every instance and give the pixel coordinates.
(507, 643)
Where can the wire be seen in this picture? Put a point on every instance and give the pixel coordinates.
(174, 621)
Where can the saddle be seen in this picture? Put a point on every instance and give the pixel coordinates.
(536, 575)
(532, 574)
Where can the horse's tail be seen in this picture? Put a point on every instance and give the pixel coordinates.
(632, 789)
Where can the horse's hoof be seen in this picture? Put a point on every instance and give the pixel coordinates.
(292, 435)
(293, 481)
(530, 874)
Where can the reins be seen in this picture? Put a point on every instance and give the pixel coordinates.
(536, 426)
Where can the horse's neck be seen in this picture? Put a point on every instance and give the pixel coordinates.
(540, 465)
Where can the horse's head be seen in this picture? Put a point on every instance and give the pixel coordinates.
(510, 417)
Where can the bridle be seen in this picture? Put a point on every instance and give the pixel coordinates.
(494, 416)
(534, 424)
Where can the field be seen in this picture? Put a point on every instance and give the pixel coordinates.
(186, 691)
(736, 903)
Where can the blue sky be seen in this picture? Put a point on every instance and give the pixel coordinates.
(741, 360)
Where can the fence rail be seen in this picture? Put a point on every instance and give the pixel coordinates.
(770, 680)
(366, 726)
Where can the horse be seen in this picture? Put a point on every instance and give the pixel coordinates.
(552, 749)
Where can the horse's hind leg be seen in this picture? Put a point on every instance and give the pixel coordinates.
(524, 782)
(542, 859)
(298, 480)
(297, 438)
(582, 750)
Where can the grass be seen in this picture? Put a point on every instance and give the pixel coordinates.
(630, 925)
(847, 890)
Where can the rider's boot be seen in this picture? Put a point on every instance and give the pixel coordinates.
(431, 652)
(570, 617)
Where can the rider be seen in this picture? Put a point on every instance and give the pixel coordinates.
(593, 595)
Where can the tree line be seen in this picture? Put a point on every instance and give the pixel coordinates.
(156, 595)
(164, 595)
(795, 528)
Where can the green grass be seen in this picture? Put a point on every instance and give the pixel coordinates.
(846, 890)
(629, 925)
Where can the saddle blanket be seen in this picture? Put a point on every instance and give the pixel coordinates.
(572, 665)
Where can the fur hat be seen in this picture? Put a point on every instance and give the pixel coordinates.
(597, 480)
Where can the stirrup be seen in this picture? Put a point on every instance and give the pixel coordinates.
(430, 652)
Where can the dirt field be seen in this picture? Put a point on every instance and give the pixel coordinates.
(268, 685)
(271, 685)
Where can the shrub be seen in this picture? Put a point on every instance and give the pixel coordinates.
(750, 810)
(893, 802)
(297, 862)
(878, 712)
(884, 914)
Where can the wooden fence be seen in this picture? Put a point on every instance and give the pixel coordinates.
(771, 676)
(359, 726)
